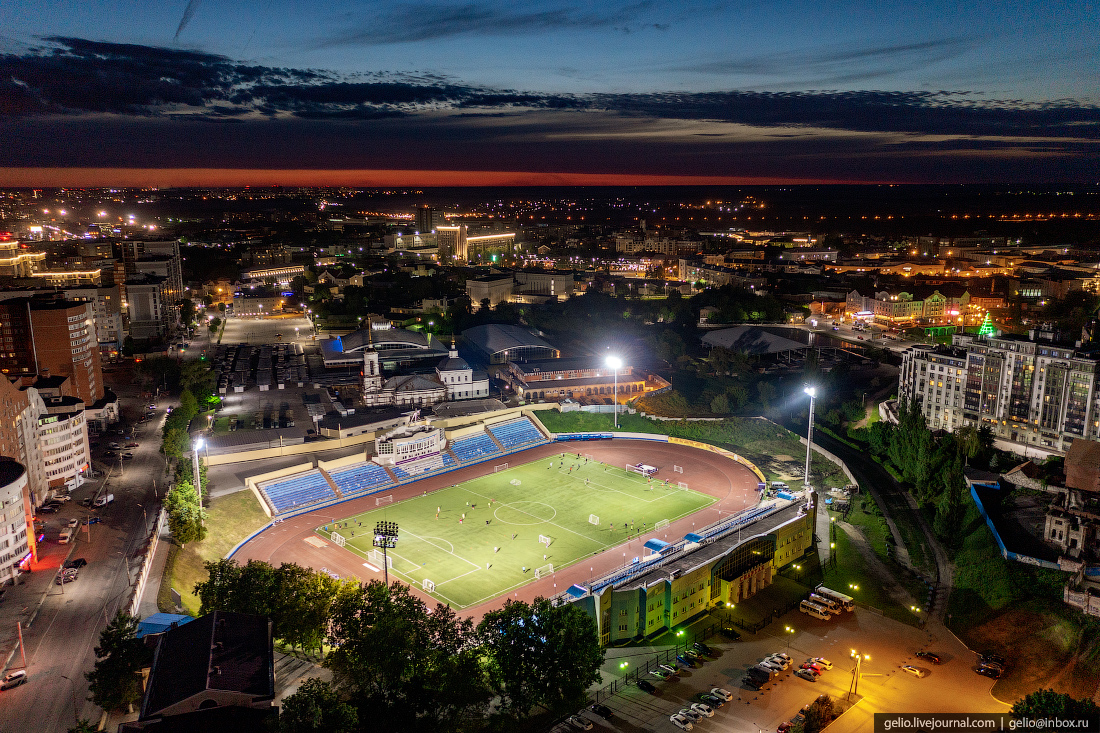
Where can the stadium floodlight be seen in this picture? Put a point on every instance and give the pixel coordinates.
(385, 537)
(812, 392)
(615, 363)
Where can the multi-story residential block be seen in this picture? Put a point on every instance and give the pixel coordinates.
(150, 306)
(108, 316)
(1034, 391)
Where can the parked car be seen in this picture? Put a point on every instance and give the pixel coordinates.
(703, 648)
(782, 655)
(811, 668)
(779, 662)
(602, 710)
(110, 454)
(724, 694)
(86, 501)
(73, 523)
(686, 660)
(992, 672)
(93, 520)
(806, 675)
(13, 679)
(772, 664)
(578, 722)
(821, 662)
(647, 686)
(670, 668)
(752, 683)
(681, 722)
(659, 673)
(127, 456)
(692, 715)
(915, 671)
(47, 509)
(731, 633)
(784, 727)
(713, 700)
(933, 658)
(132, 445)
(992, 657)
(114, 445)
(702, 707)
(76, 562)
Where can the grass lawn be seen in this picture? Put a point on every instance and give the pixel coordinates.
(496, 547)
(851, 569)
(229, 520)
(759, 440)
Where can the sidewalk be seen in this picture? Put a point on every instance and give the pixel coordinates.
(147, 606)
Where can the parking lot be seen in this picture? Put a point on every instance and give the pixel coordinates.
(887, 645)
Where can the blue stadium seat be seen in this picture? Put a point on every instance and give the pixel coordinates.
(474, 448)
(362, 478)
(297, 491)
(516, 433)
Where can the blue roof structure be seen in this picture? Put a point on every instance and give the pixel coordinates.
(577, 591)
(656, 545)
(692, 537)
(158, 623)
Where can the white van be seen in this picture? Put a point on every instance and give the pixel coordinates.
(66, 536)
(780, 485)
(812, 609)
(104, 500)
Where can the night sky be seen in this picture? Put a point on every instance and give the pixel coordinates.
(135, 92)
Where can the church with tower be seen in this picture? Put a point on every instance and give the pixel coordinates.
(454, 379)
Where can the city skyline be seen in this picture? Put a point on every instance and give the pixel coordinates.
(201, 93)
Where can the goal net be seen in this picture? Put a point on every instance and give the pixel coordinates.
(379, 560)
(677, 469)
(388, 499)
(339, 539)
(641, 469)
(500, 467)
(662, 524)
(545, 570)
(681, 484)
(593, 519)
(544, 540)
(427, 585)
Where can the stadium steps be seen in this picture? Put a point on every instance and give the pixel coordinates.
(335, 488)
(451, 453)
(496, 442)
(393, 476)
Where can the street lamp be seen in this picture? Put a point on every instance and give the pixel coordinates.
(856, 672)
(385, 537)
(615, 363)
(790, 632)
(812, 392)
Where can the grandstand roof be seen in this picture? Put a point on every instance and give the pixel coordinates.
(751, 340)
(493, 338)
(466, 407)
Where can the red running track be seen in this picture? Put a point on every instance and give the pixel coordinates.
(731, 483)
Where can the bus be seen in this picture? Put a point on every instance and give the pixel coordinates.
(846, 602)
(828, 603)
(812, 609)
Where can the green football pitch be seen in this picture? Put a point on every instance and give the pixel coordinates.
(499, 545)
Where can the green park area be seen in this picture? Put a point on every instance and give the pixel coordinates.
(482, 538)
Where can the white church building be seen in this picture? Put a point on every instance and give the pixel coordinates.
(454, 379)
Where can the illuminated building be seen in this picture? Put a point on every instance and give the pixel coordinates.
(16, 260)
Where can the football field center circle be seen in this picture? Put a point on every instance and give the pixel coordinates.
(525, 513)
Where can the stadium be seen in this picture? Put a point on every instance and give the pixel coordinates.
(644, 529)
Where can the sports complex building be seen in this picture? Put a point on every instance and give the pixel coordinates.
(719, 545)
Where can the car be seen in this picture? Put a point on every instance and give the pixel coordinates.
(915, 671)
(806, 675)
(47, 509)
(132, 445)
(151, 406)
(86, 501)
(646, 686)
(783, 656)
(681, 722)
(713, 700)
(771, 664)
(993, 657)
(812, 668)
(702, 648)
(578, 722)
(62, 579)
(13, 679)
(659, 673)
(782, 663)
(670, 668)
(929, 656)
(73, 523)
(992, 672)
(990, 665)
(859, 337)
(602, 710)
(702, 707)
(93, 520)
(724, 694)
(821, 662)
(753, 683)
(692, 715)
(116, 446)
(784, 727)
(76, 562)
(686, 661)
(127, 456)
(731, 633)
(110, 454)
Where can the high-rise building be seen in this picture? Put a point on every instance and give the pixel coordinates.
(1036, 390)
(42, 336)
(425, 219)
(149, 306)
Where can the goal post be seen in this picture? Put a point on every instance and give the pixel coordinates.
(681, 484)
(545, 570)
(593, 519)
(647, 471)
(379, 560)
(544, 540)
(677, 469)
(500, 467)
(427, 585)
(388, 499)
(339, 539)
(662, 524)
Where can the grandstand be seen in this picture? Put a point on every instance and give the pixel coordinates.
(474, 448)
(361, 478)
(516, 433)
(297, 491)
(431, 464)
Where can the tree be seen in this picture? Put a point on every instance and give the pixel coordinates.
(197, 376)
(317, 708)
(188, 403)
(819, 714)
(540, 654)
(1051, 704)
(185, 513)
(738, 395)
(218, 591)
(766, 392)
(949, 506)
(720, 405)
(115, 682)
(406, 668)
(176, 442)
(187, 312)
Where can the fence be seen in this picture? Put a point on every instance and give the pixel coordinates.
(1005, 552)
(143, 573)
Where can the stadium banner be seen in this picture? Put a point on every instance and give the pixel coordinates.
(720, 451)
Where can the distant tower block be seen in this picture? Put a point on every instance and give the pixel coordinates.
(425, 219)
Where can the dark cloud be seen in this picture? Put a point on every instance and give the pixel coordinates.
(118, 105)
(394, 23)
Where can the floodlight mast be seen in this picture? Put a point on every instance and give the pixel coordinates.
(812, 392)
(385, 537)
(615, 363)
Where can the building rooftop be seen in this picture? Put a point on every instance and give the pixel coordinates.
(10, 471)
(495, 337)
(751, 340)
